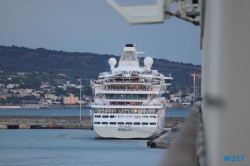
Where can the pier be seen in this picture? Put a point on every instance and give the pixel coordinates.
(165, 139)
(45, 122)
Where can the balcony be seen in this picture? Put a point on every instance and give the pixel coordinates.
(127, 91)
(153, 106)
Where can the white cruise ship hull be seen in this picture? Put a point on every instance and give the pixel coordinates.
(125, 132)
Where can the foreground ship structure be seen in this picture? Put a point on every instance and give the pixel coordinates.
(129, 100)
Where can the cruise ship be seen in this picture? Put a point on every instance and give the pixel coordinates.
(129, 100)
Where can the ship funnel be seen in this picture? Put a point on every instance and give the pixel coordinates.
(148, 61)
(112, 63)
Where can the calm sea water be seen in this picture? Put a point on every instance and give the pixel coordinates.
(72, 147)
(75, 112)
(68, 147)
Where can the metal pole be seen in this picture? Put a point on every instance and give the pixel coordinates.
(80, 99)
(194, 74)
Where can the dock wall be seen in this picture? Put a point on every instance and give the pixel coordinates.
(36, 122)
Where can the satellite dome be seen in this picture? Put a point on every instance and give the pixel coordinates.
(112, 63)
(148, 61)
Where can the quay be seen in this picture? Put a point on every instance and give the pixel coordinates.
(45, 122)
(165, 139)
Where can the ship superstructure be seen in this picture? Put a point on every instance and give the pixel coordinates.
(128, 100)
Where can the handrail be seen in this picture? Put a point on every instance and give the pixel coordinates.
(127, 82)
(125, 104)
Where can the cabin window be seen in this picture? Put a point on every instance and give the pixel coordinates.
(128, 123)
(97, 122)
(144, 116)
(97, 116)
(137, 123)
(112, 123)
(152, 116)
(105, 116)
(152, 123)
(112, 116)
(104, 122)
(120, 123)
(144, 123)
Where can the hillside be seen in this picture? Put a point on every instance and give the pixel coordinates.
(81, 65)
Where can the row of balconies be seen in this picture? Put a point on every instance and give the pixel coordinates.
(134, 92)
(125, 97)
(131, 72)
(137, 112)
(95, 105)
(128, 82)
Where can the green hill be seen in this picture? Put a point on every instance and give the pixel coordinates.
(82, 65)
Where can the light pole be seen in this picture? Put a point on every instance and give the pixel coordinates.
(80, 98)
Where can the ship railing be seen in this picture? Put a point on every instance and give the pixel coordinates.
(97, 82)
(131, 72)
(122, 82)
(126, 90)
(135, 98)
(146, 112)
(101, 104)
(101, 99)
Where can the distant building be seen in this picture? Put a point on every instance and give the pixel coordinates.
(34, 104)
(46, 86)
(21, 74)
(71, 99)
(5, 96)
(11, 86)
(87, 98)
(23, 92)
(51, 96)
(174, 98)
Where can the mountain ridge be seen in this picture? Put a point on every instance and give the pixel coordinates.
(82, 65)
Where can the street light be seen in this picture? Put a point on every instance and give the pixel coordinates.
(80, 98)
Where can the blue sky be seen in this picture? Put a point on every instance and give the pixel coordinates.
(93, 26)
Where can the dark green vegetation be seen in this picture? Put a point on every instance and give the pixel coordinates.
(75, 65)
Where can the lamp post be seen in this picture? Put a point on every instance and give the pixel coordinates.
(80, 98)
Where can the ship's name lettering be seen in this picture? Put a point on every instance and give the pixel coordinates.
(124, 129)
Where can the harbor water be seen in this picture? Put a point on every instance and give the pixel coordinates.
(22, 147)
(75, 112)
(72, 147)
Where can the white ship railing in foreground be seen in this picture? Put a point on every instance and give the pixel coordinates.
(188, 148)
